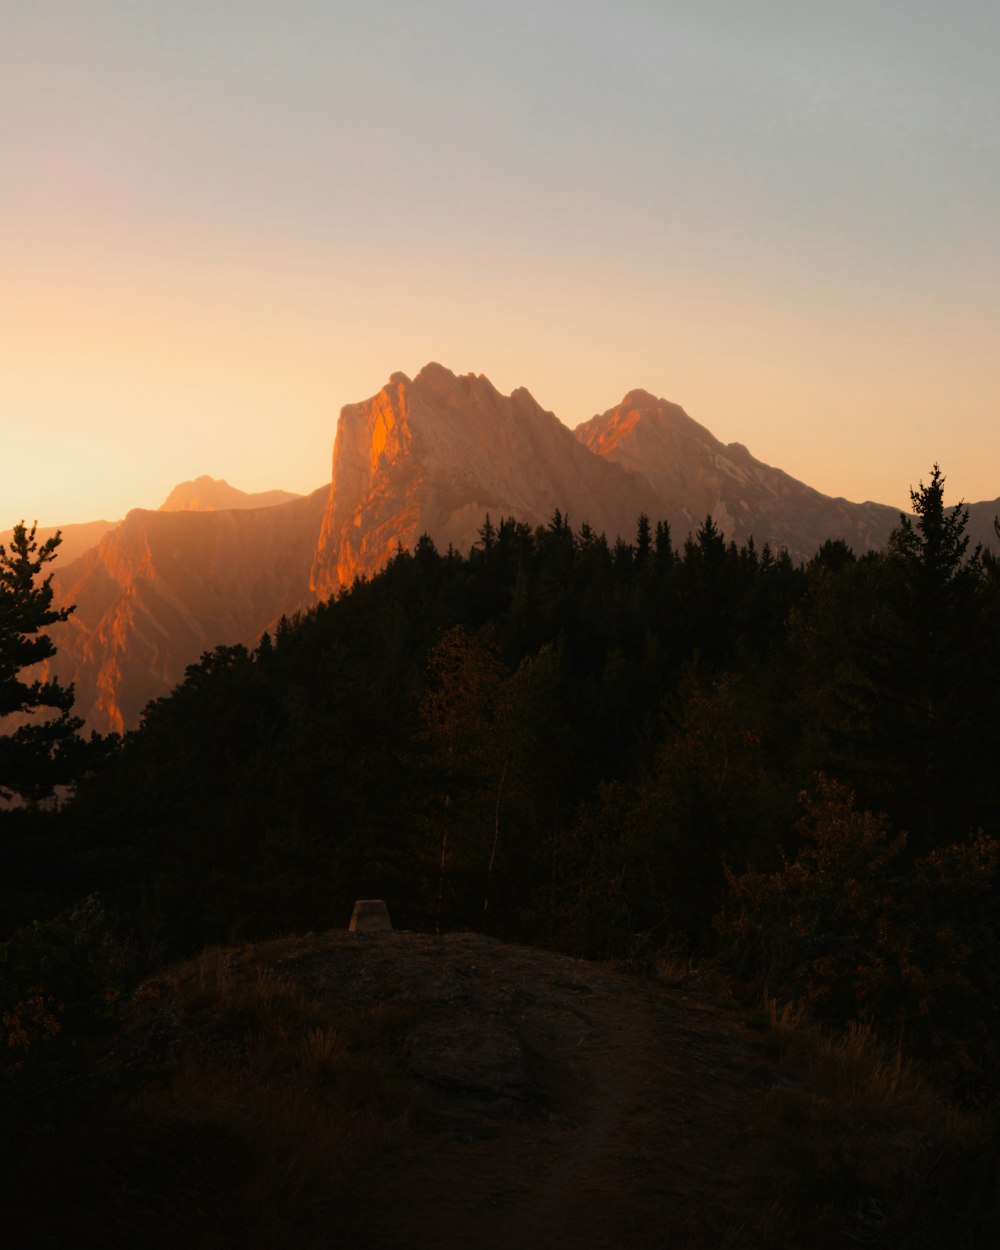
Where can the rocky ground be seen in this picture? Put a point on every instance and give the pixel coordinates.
(402, 1091)
(572, 1105)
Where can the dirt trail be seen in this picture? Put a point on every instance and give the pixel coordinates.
(571, 1106)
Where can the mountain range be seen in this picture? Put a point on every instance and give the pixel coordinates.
(432, 454)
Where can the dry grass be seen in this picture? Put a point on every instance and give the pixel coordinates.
(240, 1131)
(862, 1150)
(852, 1070)
(240, 1106)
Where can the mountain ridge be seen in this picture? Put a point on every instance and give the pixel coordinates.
(745, 497)
(433, 454)
(210, 494)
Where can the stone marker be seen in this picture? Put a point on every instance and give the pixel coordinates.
(370, 915)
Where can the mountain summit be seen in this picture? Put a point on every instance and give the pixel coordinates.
(211, 494)
(435, 454)
(695, 475)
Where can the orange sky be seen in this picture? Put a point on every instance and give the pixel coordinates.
(227, 221)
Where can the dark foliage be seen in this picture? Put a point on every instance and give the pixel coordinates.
(598, 748)
(40, 748)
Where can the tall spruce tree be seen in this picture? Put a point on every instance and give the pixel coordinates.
(913, 675)
(40, 747)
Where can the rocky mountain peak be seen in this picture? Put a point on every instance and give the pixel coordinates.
(695, 475)
(436, 453)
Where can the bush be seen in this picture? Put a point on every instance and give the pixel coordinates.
(858, 930)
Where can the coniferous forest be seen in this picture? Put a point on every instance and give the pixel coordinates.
(667, 748)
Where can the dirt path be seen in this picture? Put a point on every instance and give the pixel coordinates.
(569, 1105)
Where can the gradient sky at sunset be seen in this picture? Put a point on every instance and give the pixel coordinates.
(223, 219)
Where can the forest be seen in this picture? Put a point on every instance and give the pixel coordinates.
(623, 751)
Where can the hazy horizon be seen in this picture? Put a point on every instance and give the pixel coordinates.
(229, 220)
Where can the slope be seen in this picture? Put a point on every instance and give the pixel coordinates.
(165, 586)
(694, 474)
(403, 1089)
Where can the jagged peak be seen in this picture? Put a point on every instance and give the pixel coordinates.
(435, 378)
(521, 394)
(432, 371)
(438, 376)
(639, 398)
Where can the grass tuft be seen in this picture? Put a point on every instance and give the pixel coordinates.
(258, 1104)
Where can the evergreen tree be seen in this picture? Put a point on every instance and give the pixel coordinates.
(905, 641)
(644, 539)
(37, 752)
(931, 545)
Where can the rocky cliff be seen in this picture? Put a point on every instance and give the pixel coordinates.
(166, 586)
(436, 453)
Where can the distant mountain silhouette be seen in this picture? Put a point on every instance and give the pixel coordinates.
(204, 494)
(210, 494)
(76, 539)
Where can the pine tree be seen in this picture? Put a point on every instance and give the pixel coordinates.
(908, 642)
(931, 547)
(37, 752)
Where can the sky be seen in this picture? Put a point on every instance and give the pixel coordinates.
(221, 220)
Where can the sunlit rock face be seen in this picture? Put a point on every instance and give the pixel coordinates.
(435, 454)
(695, 475)
(166, 586)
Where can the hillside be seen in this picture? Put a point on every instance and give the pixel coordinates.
(403, 1089)
(165, 586)
(707, 758)
(695, 475)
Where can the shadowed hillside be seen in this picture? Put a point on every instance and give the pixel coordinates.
(409, 1090)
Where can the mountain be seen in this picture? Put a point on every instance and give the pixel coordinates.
(429, 455)
(165, 586)
(981, 528)
(210, 494)
(437, 453)
(203, 494)
(76, 539)
(695, 475)
(432, 454)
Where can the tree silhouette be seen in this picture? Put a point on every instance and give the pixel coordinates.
(38, 752)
